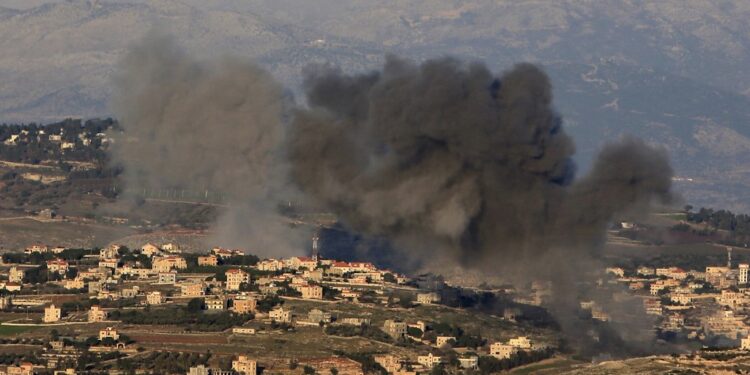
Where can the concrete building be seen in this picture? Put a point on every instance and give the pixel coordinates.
(96, 314)
(108, 332)
(743, 271)
(192, 289)
(155, 298)
(167, 277)
(52, 314)
(59, 266)
(216, 303)
(502, 351)
(427, 298)
(244, 305)
(521, 342)
(317, 316)
(311, 291)
(395, 329)
(15, 275)
(245, 365)
(235, 278)
(168, 263)
(443, 340)
(208, 260)
(280, 315)
(429, 361)
(745, 343)
(150, 250)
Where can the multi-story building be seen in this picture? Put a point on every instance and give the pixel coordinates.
(429, 361)
(245, 365)
(150, 250)
(155, 298)
(502, 351)
(15, 275)
(192, 289)
(108, 263)
(280, 315)
(428, 298)
(270, 265)
(215, 303)
(244, 305)
(521, 342)
(37, 248)
(311, 291)
(443, 340)
(168, 263)
(109, 332)
(395, 329)
(235, 278)
(52, 314)
(318, 316)
(96, 314)
(167, 277)
(109, 252)
(57, 265)
(208, 260)
(743, 271)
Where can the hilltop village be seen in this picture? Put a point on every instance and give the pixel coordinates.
(159, 310)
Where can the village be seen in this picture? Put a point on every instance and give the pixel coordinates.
(111, 303)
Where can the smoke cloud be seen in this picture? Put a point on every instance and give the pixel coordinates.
(211, 127)
(453, 164)
(447, 159)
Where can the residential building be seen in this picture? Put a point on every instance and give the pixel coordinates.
(502, 351)
(311, 291)
(109, 332)
(443, 340)
(96, 314)
(52, 314)
(199, 370)
(427, 298)
(168, 263)
(521, 342)
(743, 271)
(235, 278)
(208, 260)
(109, 263)
(192, 289)
(155, 298)
(280, 315)
(245, 365)
(745, 343)
(470, 363)
(57, 265)
(226, 253)
(243, 331)
(109, 252)
(395, 329)
(37, 248)
(76, 283)
(15, 275)
(244, 305)
(391, 363)
(169, 277)
(270, 265)
(215, 303)
(171, 248)
(430, 360)
(150, 250)
(318, 316)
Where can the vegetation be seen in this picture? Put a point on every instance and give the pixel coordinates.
(192, 320)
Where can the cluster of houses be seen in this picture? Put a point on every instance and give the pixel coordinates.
(697, 304)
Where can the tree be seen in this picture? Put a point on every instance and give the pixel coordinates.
(307, 370)
(195, 305)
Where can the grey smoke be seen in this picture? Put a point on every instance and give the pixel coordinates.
(466, 164)
(200, 126)
(456, 165)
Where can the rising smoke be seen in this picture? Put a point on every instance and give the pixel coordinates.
(213, 127)
(455, 165)
(446, 161)
(452, 162)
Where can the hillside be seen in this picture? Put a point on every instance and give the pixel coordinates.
(671, 72)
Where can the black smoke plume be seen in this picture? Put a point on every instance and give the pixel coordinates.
(455, 165)
(453, 162)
